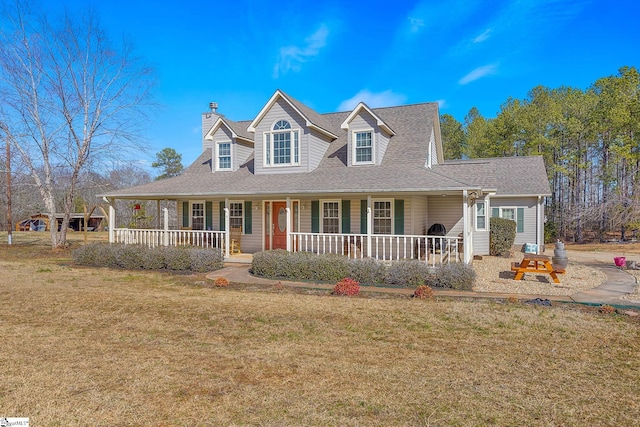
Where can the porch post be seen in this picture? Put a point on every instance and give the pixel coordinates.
(158, 213)
(288, 228)
(227, 230)
(539, 225)
(466, 232)
(369, 226)
(112, 222)
(165, 235)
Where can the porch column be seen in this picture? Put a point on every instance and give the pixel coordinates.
(158, 213)
(165, 235)
(466, 233)
(369, 226)
(112, 222)
(227, 230)
(540, 224)
(289, 224)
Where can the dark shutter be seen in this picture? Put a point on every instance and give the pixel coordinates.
(248, 226)
(185, 214)
(222, 221)
(398, 212)
(315, 216)
(363, 217)
(495, 212)
(208, 208)
(346, 216)
(520, 220)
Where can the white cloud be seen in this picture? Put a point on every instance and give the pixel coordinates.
(415, 24)
(291, 58)
(482, 37)
(478, 73)
(373, 100)
(441, 103)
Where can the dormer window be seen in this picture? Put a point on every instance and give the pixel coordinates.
(363, 147)
(282, 145)
(223, 155)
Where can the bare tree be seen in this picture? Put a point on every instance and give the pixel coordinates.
(71, 99)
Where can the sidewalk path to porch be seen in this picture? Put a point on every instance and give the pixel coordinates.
(617, 283)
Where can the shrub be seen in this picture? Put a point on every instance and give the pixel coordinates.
(269, 263)
(130, 257)
(408, 273)
(134, 257)
(423, 292)
(457, 276)
(153, 259)
(607, 309)
(204, 260)
(176, 258)
(502, 235)
(346, 287)
(329, 267)
(86, 255)
(281, 264)
(107, 255)
(221, 282)
(367, 270)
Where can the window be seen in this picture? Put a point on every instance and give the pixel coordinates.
(235, 215)
(197, 216)
(331, 217)
(481, 216)
(362, 147)
(382, 221)
(514, 214)
(282, 145)
(508, 213)
(224, 156)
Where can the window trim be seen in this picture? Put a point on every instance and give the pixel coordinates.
(268, 148)
(339, 217)
(484, 203)
(392, 218)
(242, 213)
(217, 155)
(354, 147)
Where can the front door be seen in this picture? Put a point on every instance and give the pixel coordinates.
(279, 224)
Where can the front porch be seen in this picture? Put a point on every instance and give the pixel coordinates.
(351, 226)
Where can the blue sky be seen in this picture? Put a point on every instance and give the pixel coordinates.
(332, 54)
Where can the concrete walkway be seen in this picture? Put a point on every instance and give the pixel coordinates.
(617, 284)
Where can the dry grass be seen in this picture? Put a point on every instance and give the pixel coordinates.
(85, 346)
(622, 248)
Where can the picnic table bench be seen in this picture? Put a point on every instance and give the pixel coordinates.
(533, 263)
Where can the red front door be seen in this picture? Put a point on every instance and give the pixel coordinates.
(279, 224)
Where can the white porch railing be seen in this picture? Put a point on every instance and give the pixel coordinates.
(153, 238)
(433, 250)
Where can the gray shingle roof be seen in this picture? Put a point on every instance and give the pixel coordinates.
(402, 168)
(509, 176)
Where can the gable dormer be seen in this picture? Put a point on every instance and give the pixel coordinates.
(289, 136)
(230, 145)
(367, 136)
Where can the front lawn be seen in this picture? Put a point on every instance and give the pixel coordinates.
(92, 346)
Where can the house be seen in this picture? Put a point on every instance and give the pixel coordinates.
(365, 183)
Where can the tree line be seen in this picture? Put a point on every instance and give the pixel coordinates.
(589, 140)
